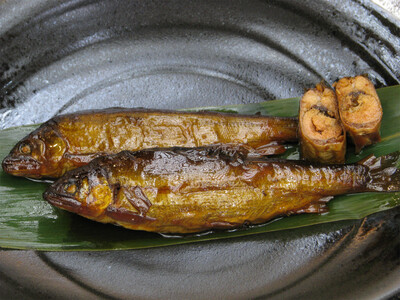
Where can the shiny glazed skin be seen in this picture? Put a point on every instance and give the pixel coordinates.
(321, 133)
(68, 141)
(181, 190)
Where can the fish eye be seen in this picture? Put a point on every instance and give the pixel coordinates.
(70, 188)
(25, 148)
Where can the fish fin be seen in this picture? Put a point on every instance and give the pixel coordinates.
(383, 171)
(118, 211)
(134, 196)
(121, 214)
(228, 151)
(319, 206)
(270, 149)
(242, 151)
(137, 198)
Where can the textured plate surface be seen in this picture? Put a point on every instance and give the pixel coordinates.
(61, 57)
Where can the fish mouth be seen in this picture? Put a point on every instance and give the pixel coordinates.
(21, 166)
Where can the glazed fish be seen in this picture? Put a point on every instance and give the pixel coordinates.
(360, 110)
(181, 190)
(68, 141)
(321, 133)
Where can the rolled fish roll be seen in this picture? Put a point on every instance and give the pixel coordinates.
(360, 110)
(322, 135)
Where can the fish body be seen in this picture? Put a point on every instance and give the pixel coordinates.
(68, 141)
(321, 133)
(181, 190)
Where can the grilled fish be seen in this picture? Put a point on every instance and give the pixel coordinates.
(68, 141)
(321, 133)
(360, 110)
(186, 190)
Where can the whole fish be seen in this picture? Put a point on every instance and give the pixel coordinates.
(68, 141)
(181, 190)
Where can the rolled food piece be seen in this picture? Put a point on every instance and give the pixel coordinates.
(322, 135)
(360, 110)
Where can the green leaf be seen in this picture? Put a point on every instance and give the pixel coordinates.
(28, 222)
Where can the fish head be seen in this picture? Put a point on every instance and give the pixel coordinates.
(37, 155)
(85, 191)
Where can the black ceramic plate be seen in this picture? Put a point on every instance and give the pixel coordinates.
(61, 57)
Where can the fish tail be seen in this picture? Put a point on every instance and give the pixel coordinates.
(384, 172)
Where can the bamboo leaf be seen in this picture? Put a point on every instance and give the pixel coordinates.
(28, 222)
